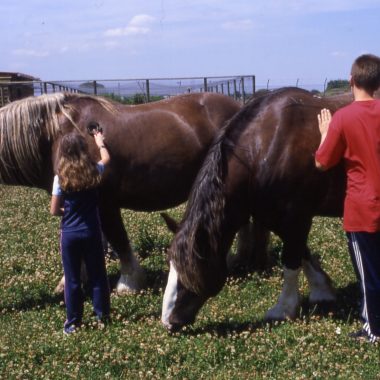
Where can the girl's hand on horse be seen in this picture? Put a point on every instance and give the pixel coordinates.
(99, 139)
(104, 155)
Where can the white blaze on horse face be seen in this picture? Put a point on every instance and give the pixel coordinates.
(289, 300)
(170, 296)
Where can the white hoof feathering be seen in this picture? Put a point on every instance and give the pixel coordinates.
(133, 281)
(60, 288)
(321, 288)
(289, 301)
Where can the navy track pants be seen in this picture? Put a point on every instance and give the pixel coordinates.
(364, 249)
(78, 246)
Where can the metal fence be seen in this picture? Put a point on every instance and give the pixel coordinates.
(145, 90)
(241, 87)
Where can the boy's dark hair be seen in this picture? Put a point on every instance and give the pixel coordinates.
(365, 72)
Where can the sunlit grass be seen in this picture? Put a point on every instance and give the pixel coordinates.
(228, 341)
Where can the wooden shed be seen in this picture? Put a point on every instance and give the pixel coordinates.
(14, 86)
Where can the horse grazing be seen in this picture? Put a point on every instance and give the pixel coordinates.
(261, 165)
(156, 151)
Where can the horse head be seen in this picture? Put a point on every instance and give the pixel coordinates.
(187, 291)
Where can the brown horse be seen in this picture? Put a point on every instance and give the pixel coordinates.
(156, 151)
(261, 165)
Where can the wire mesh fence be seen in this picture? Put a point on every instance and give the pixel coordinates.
(240, 87)
(144, 90)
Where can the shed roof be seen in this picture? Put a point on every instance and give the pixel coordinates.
(13, 76)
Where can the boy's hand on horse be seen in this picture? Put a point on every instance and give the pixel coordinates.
(324, 119)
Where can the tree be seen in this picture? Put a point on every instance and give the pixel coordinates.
(341, 84)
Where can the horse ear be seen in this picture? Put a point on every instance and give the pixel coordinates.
(170, 222)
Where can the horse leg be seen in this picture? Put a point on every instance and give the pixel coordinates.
(293, 251)
(132, 276)
(320, 284)
(289, 301)
(252, 248)
(83, 275)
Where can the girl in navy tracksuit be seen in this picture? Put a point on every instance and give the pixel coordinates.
(75, 198)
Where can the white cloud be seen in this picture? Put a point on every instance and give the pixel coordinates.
(111, 44)
(140, 20)
(338, 54)
(63, 49)
(30, 53)
(238, 25)
(139, 24)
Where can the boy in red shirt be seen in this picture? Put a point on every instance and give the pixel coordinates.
(353, 134)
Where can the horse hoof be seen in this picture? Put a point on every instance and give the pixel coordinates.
(278, 313)
(324, 295)
(130, 283)
(59, 289)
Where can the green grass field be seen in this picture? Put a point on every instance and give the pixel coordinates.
(228, 341)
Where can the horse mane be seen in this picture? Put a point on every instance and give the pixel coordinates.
(22, 124)
(201, 221)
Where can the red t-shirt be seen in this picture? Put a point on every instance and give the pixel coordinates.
(354, 135)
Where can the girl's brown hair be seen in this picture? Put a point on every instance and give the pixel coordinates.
(76, 170)
(365, 72)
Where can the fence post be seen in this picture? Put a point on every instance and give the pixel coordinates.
(95, 88)
(228, 88)
(253, 85)
(242, 89)
(235, 97)
(205, 84)
(324, 87)
(147, 91)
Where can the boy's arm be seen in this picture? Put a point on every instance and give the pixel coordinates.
(324, 119)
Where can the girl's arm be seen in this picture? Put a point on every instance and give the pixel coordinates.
(55, 205)
(104, 155)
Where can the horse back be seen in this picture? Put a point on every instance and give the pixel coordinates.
(276, 136)
(157, 148)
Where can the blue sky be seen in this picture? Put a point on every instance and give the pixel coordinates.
(276, 40)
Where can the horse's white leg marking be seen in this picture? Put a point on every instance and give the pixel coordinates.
(289, 300)
(132, 277)
(321, 289)
(170, 296)
(61, 286)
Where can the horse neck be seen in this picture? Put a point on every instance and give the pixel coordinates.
(200, 247)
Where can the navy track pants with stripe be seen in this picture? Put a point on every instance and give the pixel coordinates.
(364, 249)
